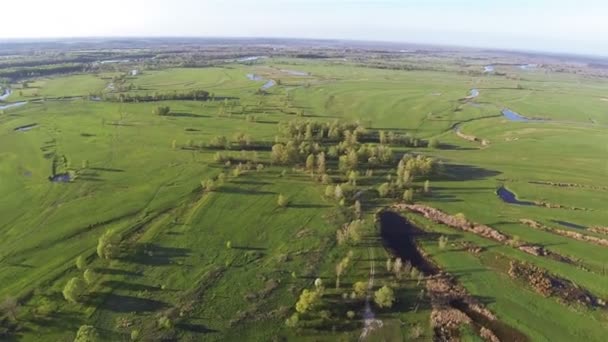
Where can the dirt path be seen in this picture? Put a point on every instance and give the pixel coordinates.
(370, 323)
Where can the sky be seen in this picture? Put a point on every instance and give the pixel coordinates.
(579, 27)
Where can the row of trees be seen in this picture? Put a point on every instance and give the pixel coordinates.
(193, 95)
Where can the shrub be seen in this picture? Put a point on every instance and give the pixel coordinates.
(384, 297)
(81, 262)
(282, 201)
(74, 290)
(87, 333)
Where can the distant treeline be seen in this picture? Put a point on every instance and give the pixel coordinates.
(41, 71)
(193, 95)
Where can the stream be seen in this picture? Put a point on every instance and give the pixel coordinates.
(398, 236)
(509, 197)
(269, 84)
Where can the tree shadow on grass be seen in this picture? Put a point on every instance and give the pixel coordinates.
(451, 147)
(248, 248)
(118, 303)
(155, 255)
(235, 190)
(121, 285)
(461, 172)
(106, 169)
(186, 115)
(114, 271)
(195, 328)
(309, 206)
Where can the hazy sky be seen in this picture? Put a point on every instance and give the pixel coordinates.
(554, 25)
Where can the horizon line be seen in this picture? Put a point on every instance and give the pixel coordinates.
(555, 53)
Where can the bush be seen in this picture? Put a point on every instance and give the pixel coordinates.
(282, 201)
(87, 333)
(81, 263)
(89, 276)
(74, 290)
(360, 289)
(293, 321)
(443, 242)
(384, 297)
(165, 323)
(434, 143)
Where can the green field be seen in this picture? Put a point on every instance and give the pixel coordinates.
(229, 264)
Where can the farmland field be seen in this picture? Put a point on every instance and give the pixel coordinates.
(214, 236)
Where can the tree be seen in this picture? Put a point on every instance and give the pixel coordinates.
(352, 178)
(321, 165)
(408, 195)
(382, 138)
(89, 276)
(219, 141)
(383, 190)
(443, 242)
(10, 308)
(292, 322)
(353, 160)
(338, 193)
(81, 262)
(330, 191)
(108, 246)
(74, 290)
(434, 143)
(357, 209)
(360, 289)
(310, 163)
(325, 179)
(308, 300)
(341, 266)
(282, 201)
(427, 186)
(87, 333)
(162, 110)
(384, 297)
(165, 322)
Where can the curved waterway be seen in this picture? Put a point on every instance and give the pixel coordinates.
(398, 237)
(5, 94)
(269, 84)
(509, 197)
(12, 105)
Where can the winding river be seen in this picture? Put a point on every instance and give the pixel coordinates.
(509, 197)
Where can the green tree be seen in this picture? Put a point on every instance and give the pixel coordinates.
(282, 201)
(74, 290)
(357, 209)
(87, 333)
(427, 186)
(321, 163)
(89, 276)
(308, 300)
(292, 322)
(108, 245)
(384, 297)
(408, 195)
(443, 242)
(162, 110)
(360, 289)
(81, 262)
(434, 143)
(383, 190)
(310, 163)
